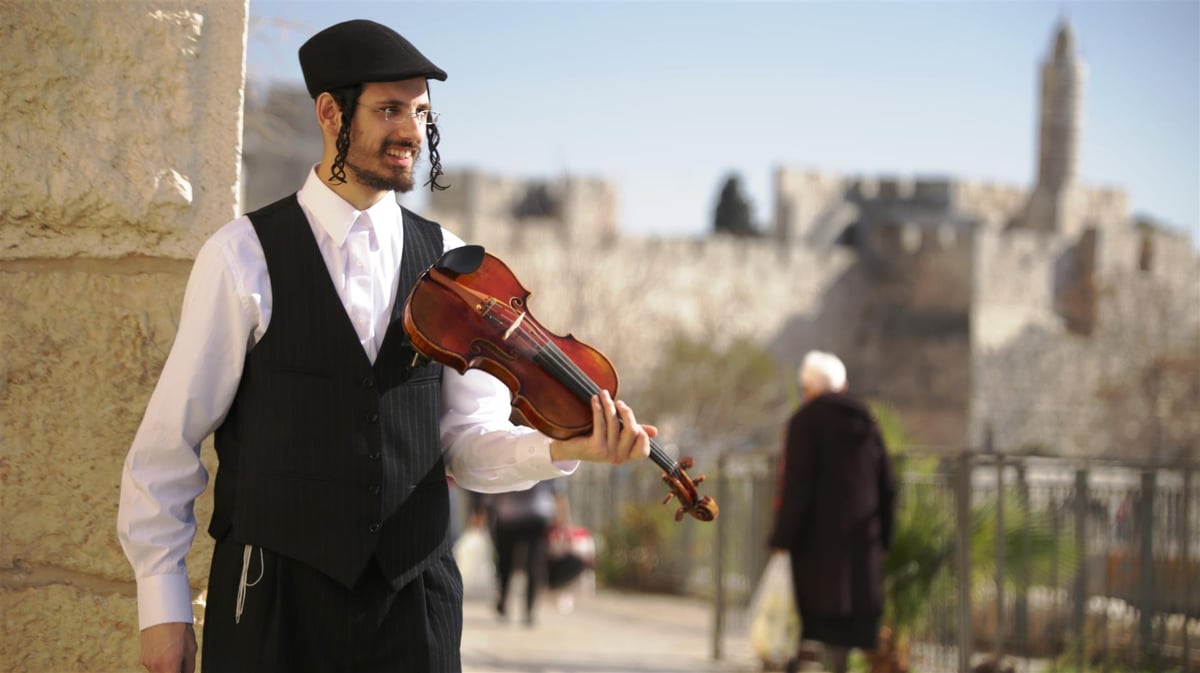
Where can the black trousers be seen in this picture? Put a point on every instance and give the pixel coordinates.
(529, 535)
(293, 619)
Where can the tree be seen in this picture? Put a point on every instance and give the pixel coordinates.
(733, 211)
(721, 395)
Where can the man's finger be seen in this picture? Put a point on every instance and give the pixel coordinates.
(612, 435)
(632, 436)
(599, 426)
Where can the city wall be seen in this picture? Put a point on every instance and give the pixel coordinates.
(1039, 386)
(937, 306)
(628, 297)
(122, 133)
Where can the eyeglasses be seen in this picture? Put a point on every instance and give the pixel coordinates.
(397, 115)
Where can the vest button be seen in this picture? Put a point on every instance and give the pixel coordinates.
(371, 418)
(376, 490)
(368, 382)
(373, 528)
(374, 455)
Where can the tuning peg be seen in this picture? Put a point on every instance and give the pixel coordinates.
(668, 498)
(698, 480)
(679, 513)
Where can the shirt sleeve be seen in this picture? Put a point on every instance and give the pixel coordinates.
(484, 451)
(162, 474)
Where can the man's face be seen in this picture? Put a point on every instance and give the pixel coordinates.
(384, 151)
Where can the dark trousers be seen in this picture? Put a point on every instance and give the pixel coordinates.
(529, 536)
(294, 619)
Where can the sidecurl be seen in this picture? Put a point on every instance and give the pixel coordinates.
(434, 136)
(347, 100)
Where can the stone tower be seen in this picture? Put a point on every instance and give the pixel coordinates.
(1060, 119)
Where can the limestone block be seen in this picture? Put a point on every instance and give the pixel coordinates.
(63, 628)
(83, 344)
(124, 123)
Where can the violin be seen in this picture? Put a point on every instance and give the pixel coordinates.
(468, 310)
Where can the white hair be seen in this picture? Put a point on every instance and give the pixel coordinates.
(822, 372)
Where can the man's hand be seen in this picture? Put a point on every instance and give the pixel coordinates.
(169, 648)
(616, 435)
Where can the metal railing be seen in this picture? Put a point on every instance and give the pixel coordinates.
(1055, 564)
(1052, 564)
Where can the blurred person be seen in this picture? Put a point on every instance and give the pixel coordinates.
(331, 511)
(520, 525)
(835, 511)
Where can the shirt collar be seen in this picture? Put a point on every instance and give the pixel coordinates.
(334, 215)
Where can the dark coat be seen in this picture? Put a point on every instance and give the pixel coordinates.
(835, 507)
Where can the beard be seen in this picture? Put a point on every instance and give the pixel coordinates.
(387, 178)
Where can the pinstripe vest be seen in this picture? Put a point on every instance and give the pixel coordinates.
(323, 457)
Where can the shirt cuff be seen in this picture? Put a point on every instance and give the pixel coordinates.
(535, 452)
(163, 599)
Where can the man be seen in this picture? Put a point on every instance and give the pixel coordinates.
(334, 442)
(834, 513)
(520, 526)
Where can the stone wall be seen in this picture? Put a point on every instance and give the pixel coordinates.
(564, 211)
(807, 204)
(944, 299)
(123, 129)
(627, 298)
(1031, 329)
(1036, 386)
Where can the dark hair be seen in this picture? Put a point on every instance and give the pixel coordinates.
(347, 100)
(435, 158)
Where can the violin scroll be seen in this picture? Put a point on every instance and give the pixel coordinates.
(683, 487)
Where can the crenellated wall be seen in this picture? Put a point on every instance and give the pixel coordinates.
(965, 312)
(569, 210)
(122, 133)
(930, 289)
(1036, 385)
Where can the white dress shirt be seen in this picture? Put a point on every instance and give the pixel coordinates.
(226, 311)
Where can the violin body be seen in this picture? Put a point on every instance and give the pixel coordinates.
(468, 311)
(476, 342)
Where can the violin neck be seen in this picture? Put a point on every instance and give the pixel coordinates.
(663, 459)
(551, 358)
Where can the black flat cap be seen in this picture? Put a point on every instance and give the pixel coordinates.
(353, 52)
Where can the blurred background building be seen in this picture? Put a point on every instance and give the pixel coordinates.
(1037, 318)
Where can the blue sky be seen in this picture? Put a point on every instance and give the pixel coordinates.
(669, 98)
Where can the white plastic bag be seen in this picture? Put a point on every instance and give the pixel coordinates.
(774, 622)
(476, 561)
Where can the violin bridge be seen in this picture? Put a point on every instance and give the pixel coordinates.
(516, 323)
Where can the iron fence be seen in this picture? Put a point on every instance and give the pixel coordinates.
(1051, 564)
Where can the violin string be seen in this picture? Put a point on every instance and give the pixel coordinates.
(564, 367)
(554, 359)
(567, 371)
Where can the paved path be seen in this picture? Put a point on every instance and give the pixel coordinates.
(610, 632)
